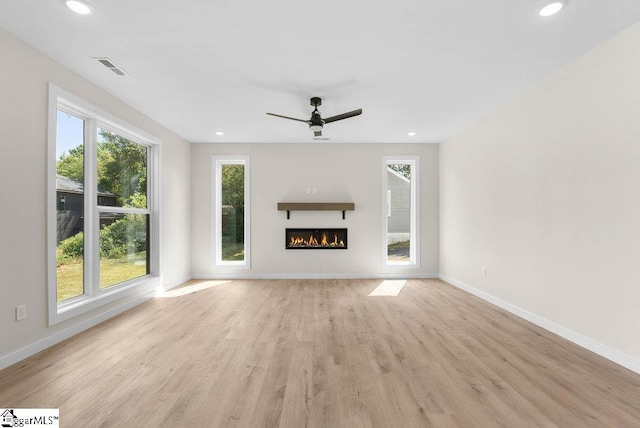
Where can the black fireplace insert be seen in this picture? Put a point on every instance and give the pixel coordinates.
(316, 239)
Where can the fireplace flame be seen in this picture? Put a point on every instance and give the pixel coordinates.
(299, 241)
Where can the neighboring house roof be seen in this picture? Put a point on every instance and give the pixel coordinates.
(67, 185)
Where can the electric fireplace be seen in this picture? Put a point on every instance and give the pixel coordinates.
(316, 239)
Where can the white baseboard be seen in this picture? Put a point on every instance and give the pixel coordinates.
(174, 284)
(41, 345)
(580, 340)
(242, 275)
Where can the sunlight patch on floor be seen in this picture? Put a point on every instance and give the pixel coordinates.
(189, 289)
(389, 287)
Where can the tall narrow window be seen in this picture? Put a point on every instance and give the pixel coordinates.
(400, 211)
(231, 231)
(69, 206)
(103, 213)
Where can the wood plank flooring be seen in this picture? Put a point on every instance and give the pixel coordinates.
(321, 353)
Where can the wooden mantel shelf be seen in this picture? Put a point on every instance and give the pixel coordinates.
(316, 206)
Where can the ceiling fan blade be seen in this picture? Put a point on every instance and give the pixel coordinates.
(343, 116)
(317, 133)
(287, 117)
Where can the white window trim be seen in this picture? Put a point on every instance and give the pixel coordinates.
(216, 168)
(94, 297)
(414, 255)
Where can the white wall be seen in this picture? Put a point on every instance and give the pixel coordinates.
(23, 117)
(545, 192)
(342, 173)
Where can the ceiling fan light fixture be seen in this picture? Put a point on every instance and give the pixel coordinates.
(552, 7)
(219, 133)
(80, 7)
(412, 134)
(315, 128)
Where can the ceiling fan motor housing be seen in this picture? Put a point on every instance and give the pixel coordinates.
(316, 121)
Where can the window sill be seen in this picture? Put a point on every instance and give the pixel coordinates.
(232, 266)
(80, 305)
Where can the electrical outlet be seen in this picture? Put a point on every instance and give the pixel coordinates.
(21, 312)
(374, 258)
(314, 190)
(484, 272)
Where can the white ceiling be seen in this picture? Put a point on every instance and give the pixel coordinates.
(428, 66)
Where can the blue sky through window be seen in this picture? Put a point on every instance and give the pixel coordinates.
(70, 133)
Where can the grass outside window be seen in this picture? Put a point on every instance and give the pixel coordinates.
(112, 271)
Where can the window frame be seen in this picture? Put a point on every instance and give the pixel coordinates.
(414, 251)
(93, 296)
(216, 166)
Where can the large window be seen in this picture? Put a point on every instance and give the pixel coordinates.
(400, 211)
(103, 215)
(231, 207)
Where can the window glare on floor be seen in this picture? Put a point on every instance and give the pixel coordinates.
(389, 287)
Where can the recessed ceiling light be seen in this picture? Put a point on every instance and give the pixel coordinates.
(219, 133)
(79, 6)
(551, 8)
(412, 134)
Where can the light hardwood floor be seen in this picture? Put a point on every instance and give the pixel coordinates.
(321, 353)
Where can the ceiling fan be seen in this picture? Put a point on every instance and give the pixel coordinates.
(317, 122)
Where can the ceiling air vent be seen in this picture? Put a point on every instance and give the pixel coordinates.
(111, 66)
